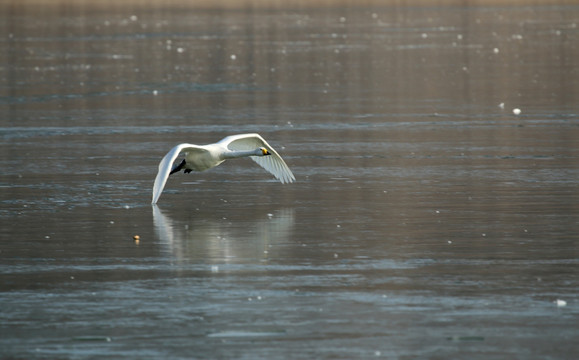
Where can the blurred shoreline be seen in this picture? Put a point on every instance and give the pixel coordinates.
(269, 4)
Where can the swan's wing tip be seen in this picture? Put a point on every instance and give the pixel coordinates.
(156, 195)
(165, 170)
(286, 177)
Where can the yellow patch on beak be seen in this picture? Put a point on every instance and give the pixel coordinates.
(265, 152)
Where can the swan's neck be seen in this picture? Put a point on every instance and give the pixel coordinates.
(234, 154)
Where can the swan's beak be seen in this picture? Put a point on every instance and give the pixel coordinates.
(265, 152)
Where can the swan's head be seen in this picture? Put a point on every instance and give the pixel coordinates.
(264, 151)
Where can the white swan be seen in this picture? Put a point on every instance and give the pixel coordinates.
(201, 158)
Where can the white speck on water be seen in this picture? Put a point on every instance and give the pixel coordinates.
(516, 111)
(127, 207)
(342, 19)
(155, 92)
(233, 56)
(449, 242)
(214, 269)
(424, 35)
(180, 50)
(502, 105)
(270, 215)
(134, 18)
(496, 50)
(336, 256)
(560, 303)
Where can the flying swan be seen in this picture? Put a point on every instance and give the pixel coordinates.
(205, 157)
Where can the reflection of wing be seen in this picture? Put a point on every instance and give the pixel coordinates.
(274, 164)
(163, 225)
(276, 229)
(165, 169)
(218, 242)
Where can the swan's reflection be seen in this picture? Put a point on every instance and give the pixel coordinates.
(220, 240)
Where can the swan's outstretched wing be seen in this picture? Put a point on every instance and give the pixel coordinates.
(165, 169)
(273, 164)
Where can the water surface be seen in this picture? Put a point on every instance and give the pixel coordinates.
(427, 220)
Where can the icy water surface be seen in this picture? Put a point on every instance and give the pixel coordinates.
(429, 219)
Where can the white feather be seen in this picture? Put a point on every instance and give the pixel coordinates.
(201, 158)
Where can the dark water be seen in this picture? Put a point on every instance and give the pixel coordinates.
(427, 220)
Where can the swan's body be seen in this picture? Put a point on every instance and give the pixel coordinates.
(201, 158)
